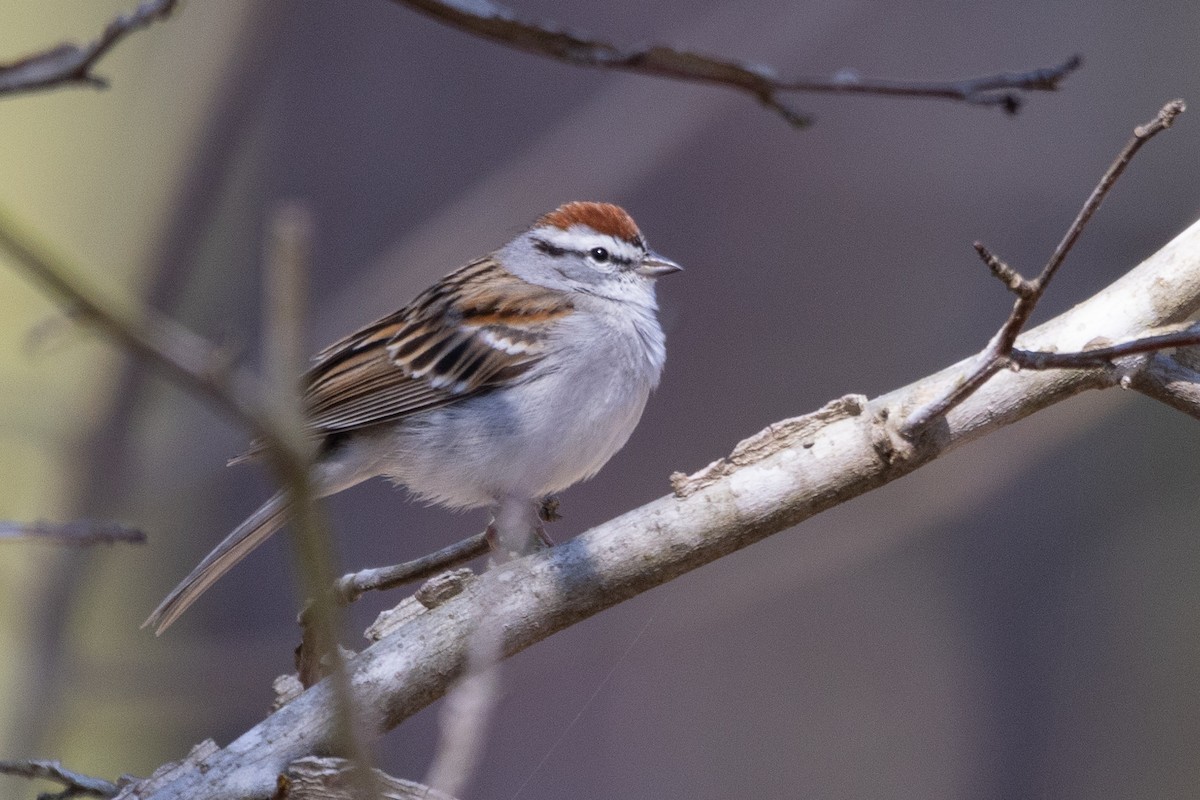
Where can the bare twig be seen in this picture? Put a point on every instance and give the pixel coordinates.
(351, 587)
(354, 585)
(999, 351)
(1103, 356)
(1015, 282)
(71, 64)
(1141, 134)
(500, 24)
(76, 785)
(77, 533)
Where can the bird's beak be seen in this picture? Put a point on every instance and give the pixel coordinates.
(655, 266)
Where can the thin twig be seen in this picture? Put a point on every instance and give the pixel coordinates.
(1016, 283)
(1141, 134)
(71, 64)
(1102, 356)
(76, 785)
(77, 533)
(352, 586)
(999, 351)
(500, 24)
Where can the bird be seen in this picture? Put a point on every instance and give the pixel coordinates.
(510, 379)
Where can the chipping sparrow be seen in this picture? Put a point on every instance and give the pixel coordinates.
(508, 380)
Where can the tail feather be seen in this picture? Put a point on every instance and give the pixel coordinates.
(257, 528)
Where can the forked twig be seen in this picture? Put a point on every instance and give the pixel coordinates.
(71, 63)
(500, 24)
(1000, 352)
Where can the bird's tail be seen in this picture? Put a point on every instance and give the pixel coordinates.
(257, 528)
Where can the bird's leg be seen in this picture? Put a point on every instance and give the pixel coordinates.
(548, 509)
(547, 512)
(516, 527)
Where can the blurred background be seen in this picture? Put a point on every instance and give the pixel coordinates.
(1018, 619)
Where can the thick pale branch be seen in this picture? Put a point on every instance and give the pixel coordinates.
(68, 64)
(787, 473)
(500, 24)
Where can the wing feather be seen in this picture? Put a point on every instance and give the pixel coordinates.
(479, 328)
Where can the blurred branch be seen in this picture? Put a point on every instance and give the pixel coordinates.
(500, 24)
(470, 701)
(197, 366)
(76, 785)
(77, 533)
(999, 353)
(783, 475)
(288, 256)
(68, 64)
(183, 357)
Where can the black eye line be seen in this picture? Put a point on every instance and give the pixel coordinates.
(554, 250)
(549, 249)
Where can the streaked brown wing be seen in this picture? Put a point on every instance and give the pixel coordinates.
(479, 328)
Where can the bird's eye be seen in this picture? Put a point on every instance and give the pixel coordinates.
(599, 255)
